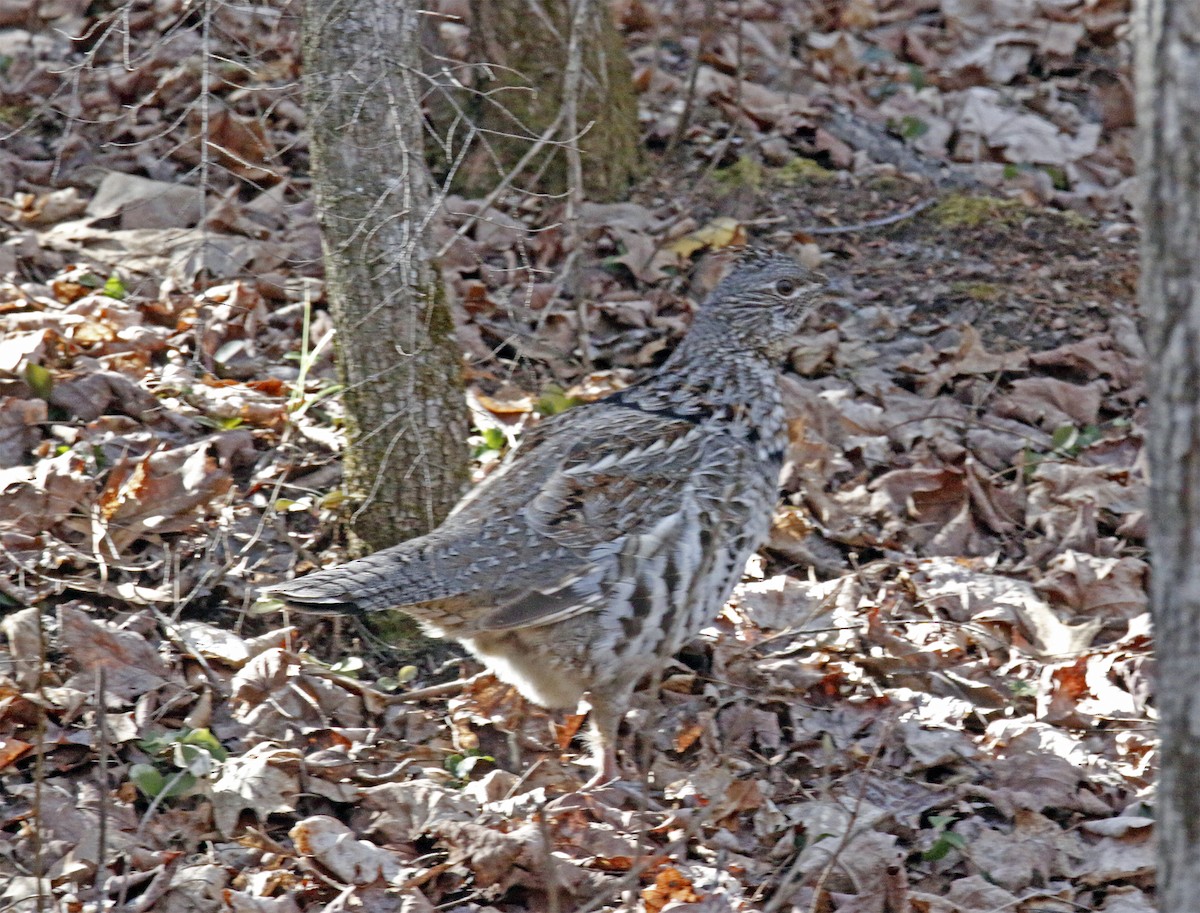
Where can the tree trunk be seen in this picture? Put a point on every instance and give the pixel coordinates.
(397, 356)
(522, 52)
(1168, 80)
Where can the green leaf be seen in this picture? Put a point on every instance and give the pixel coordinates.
(227, 423)
(912, 127)
(157, 744)
(40, 381)
(195, 760)
(1064, 436)
(461, 765)
(1088, 435)
(267, 605)
(147, 779)
(1058, 177)
(1020, 688)
(939, 850)
(203, 738)
(554, 401)
(349, 667)
(114, 288)
(179, 784)
(916, 77)
(332, 500)
(488, 440)
(494, 438)
(955, 840)
(153, 784)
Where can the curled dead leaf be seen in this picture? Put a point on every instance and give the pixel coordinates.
(722, 231)
(670, 886)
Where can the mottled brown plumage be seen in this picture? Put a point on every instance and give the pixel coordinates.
(617, 529)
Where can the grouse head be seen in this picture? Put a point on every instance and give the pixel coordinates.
(761, 303)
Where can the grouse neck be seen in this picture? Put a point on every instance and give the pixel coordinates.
(707, 382)
(718, 333)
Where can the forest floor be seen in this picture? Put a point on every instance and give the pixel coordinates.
(933, 692)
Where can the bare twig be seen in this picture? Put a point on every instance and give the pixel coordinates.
(505, 182)
(685, 119)
(553, 889)
(39, 768)
(101, 789)
(404, 697)
(780, 897)
(572, 81)
(873, 223)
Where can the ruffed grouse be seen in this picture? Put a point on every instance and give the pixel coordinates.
(615, 530)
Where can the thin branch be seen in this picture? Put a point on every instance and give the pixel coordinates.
(873, 223)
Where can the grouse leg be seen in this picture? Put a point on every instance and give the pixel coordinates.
(607, 712)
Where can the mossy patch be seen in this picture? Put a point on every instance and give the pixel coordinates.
(979, 291)
(802, 171)
(745, 173)
(962, 211)
(749, 173)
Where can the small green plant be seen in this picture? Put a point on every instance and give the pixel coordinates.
(945, 841)
(228, 423)
(300, 401)
(488, 443)
(40, 381)
(1058, 177)
(266, 605)
(403, 676)
(461, 765)
(114, 287)
(1021, 689)
(909, 127)
(555, 400)
(1067, 443)
(350, 666)
(182, 758)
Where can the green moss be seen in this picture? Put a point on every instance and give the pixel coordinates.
(886, 183)
(802, 171)
(1057, 176)
(1075, 219)
(979, 291)
(15, 115)
(749, 173)
(746, 172)
(963, 211)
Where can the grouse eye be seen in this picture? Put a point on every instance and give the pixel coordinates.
(785, 287)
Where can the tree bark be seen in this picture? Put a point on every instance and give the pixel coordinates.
(1168, 103)
(524, 70)
(406, 416)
